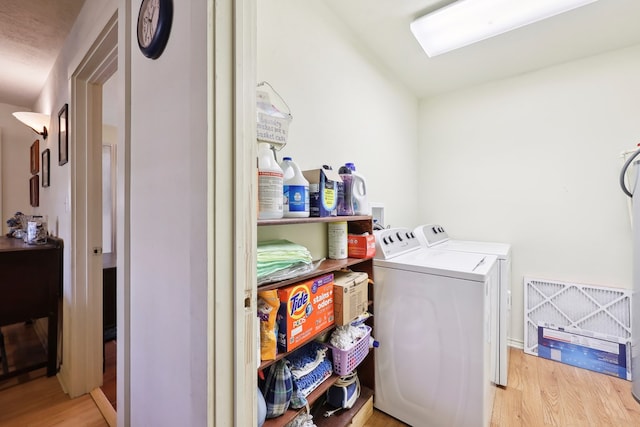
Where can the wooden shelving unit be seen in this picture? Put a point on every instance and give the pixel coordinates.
(363, 407)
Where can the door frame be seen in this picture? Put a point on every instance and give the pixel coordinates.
(82, 348)
(232, 197)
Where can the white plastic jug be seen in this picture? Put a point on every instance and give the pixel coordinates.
(295, 190)
(270, 183)
(359, 192)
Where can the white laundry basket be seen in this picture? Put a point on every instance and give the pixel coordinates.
(273, 124)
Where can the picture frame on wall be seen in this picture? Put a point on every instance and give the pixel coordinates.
(63, 135)
(34, 190)
(35, 157)
(45, 167)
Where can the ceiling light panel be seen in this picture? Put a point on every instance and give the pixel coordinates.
(468, 21)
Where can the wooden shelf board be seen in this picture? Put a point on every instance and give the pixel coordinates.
(286, 221)
(327, 266)
(313, 396)
(344, 417)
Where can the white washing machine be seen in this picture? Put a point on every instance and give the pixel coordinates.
(435, 237)
(432, 319)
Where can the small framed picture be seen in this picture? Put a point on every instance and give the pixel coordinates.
(63, 135)
(34, 193)
(45, 167)
(35, 157)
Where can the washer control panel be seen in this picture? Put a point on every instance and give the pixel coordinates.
(431, 234)
(392, 242)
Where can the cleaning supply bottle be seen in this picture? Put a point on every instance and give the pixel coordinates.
(295, 190)
(270, 183)
(337, 240)
(345, 190)
(359, 192)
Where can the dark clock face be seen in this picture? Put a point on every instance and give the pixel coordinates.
(154, 26)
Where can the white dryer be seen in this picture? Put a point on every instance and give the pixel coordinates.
(435, 237)
(432, 320)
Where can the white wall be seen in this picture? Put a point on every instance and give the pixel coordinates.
(16, 144)
(345, 106)
(169, 224)
(534, 161)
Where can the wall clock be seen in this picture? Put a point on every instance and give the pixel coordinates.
(154, 26)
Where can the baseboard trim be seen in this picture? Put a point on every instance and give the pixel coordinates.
(104, 406)
(519, 344)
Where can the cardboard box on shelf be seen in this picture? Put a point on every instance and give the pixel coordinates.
(361, 245)
(585, 349)
(350, 295)
(306, 308)
(323, 191)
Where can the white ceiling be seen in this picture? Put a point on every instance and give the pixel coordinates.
(32, 32)
(382, 26)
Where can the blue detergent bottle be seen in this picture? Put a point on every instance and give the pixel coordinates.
(295, 190)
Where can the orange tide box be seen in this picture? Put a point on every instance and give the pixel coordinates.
(361, 245)
(306, 308)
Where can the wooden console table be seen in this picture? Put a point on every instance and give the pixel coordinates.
(31, 288)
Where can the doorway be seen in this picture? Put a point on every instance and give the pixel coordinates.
(84, 338)
(109, 227)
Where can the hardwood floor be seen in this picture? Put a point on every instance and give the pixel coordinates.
(540, 393)
(33, 399)
(109, 377)
(42, 403)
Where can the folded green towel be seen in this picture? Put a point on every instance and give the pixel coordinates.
(276, 255)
